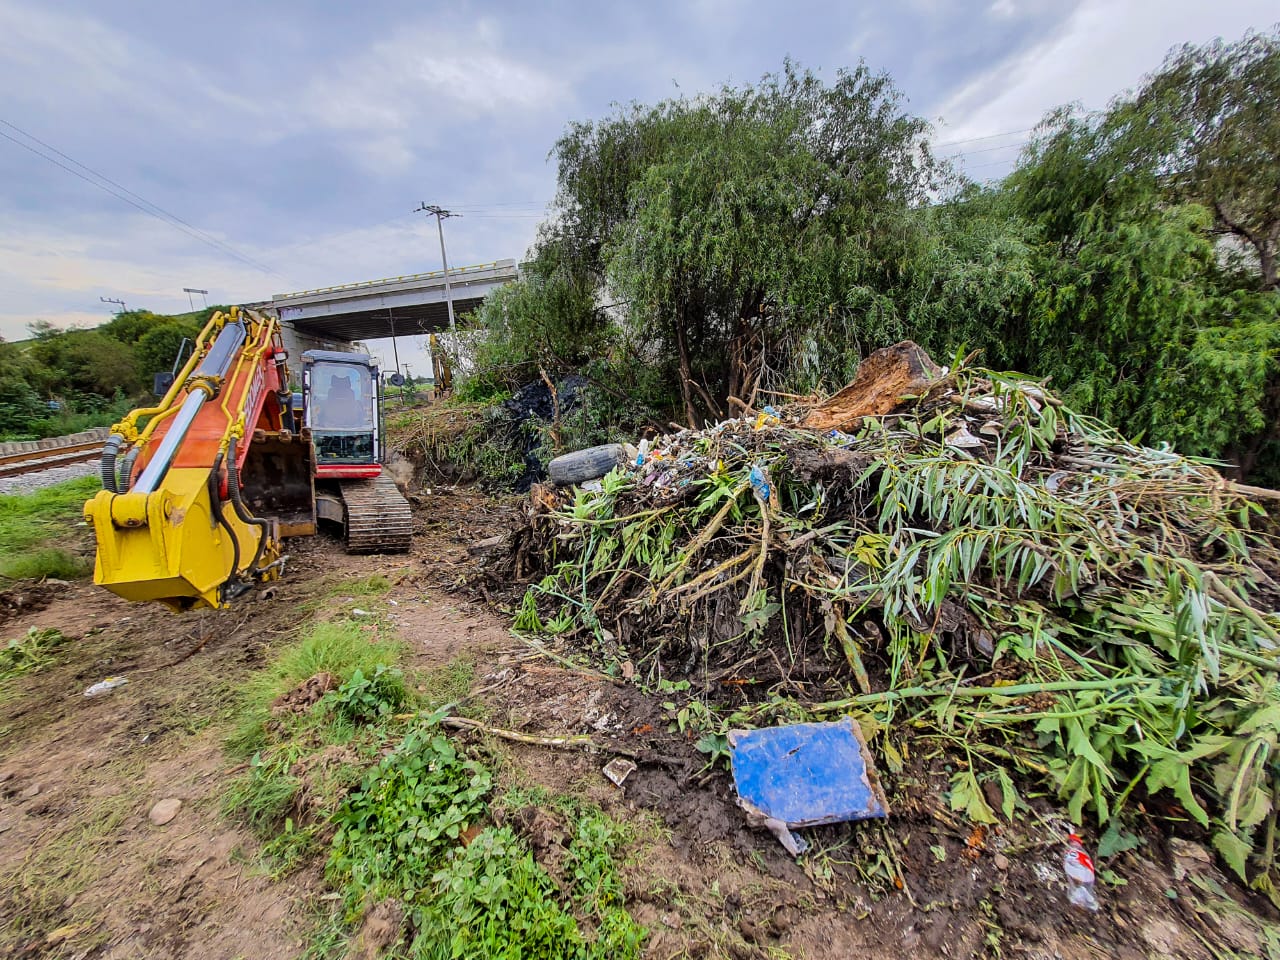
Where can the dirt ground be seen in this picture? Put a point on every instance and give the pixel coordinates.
(84, 872)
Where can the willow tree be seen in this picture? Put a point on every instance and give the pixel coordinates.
(749, 236)
(1208, 122)
(1139, 312)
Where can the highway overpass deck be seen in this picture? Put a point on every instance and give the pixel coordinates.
(395, 306)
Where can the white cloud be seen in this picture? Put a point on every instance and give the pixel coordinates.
(1104, 49)
(50, 62)
(45, 55)
(59, 273)
(405, 92)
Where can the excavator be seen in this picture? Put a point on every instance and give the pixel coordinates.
(200, 491)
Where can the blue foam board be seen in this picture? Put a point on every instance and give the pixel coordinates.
(806, 774)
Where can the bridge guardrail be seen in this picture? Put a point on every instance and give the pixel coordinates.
(453, 272)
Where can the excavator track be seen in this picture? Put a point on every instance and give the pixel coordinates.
(378, 517)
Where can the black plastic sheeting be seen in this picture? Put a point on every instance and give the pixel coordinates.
(533, 402)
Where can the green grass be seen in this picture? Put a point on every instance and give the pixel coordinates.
(374, 585)
(262, 798)
(32, 524)
(370, 586)
(339, 647)
(401, 799)
(447, 683)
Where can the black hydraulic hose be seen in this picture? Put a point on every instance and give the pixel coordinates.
(110, 451)
(126, 470)
(233, 491)
(215, 504)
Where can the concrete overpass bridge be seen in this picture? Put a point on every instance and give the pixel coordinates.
(394, 307)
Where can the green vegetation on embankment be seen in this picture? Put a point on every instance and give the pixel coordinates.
(64, 381)
(36, 527)
(355, 768)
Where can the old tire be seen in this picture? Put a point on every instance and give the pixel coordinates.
(583, 465)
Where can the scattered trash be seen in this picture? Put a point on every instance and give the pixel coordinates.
(618, 769)
(759, 482)
(804, 775)
(105, 686)
(357, 612)
(1078, 866)
(164, 811)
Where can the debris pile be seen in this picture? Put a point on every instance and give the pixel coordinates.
(952, 554)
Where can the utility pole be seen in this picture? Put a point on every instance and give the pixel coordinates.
(441, 215)
(395, 350)
(189, 291)
(122, 309)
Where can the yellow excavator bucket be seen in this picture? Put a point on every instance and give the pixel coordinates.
(169, 546)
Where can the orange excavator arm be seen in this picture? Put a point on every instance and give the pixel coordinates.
(171, 524)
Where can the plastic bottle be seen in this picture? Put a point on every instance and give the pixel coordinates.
(760, 483)
(105, 686)
(1078, 866)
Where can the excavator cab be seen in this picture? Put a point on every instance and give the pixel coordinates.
(342, 413)
(343, 418)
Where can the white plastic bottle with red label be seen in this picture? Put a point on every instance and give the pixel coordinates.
(1078, 866)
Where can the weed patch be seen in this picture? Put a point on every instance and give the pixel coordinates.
(363, 699)
(30, 652)
(32, 524)
(411, 828)
(340, 648)
(493, 900)
(409, 810)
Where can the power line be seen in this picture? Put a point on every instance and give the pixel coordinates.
(991, 136)
(126, 195)
(161, 211)
(973, 153)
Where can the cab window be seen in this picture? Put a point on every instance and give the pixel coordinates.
(341, 397)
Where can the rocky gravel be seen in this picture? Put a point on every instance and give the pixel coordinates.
(25, 483)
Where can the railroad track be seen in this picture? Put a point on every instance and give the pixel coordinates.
(33, 461)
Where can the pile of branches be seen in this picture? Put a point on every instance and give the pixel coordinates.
(953, 550)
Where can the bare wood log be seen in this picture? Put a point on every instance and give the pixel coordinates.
(883, 382)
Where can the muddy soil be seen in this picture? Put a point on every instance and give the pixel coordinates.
(84, 872)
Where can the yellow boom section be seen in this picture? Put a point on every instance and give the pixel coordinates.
(164, 533)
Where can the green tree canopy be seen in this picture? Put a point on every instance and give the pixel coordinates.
(1208, 125)
(738, 234)
(1138, 312)
(157, 349)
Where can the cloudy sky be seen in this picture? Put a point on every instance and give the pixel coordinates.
(256, 148)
